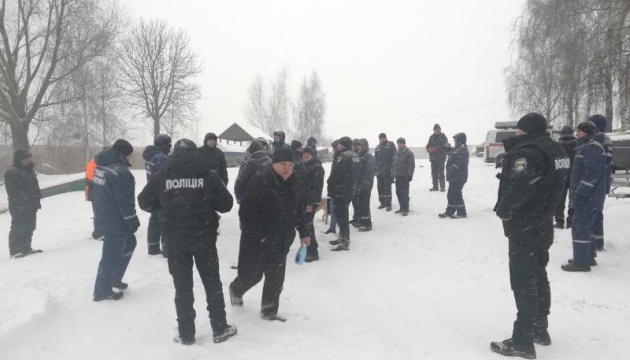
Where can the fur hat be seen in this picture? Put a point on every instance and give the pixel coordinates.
(346, 142)
(185, 144)
(599, 121)
(587, 126)
(295, 145)
(282, 154)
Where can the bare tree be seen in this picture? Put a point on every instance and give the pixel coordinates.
(310, 109)
(158, 65)
(36, 54)
(279, 102)
(255, 109)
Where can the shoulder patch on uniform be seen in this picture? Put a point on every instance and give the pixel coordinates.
(520, 165)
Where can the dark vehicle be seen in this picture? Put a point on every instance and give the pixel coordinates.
(621, 150)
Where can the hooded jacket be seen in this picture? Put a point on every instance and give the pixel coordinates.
(313, 182)
(188, 195)
(113, 194)
(341, 182)
(22, 186)
(155, 159)
(257, 162)
(216, 158)
(365, 168)
(457, 164)
(281, 143)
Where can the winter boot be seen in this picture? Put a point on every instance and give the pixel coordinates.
(433, 189)
(573, 267)
(111, 296)
(382, 206)
(509, 348)
(234, 300)
(330, 231)
(541, 337)
(273, 317)
(405, 213)
(364, 228)
(221, 336)
(388, 208)
(444, 215)
(398, 211)
(311, 257)
(184, 340)
(335, 242)
(344, 245)
(121, 286)
(593, 262)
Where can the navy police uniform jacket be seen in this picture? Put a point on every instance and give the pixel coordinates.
(589, 174)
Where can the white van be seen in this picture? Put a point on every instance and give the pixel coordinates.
(493, 146)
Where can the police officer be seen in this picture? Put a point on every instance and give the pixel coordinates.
(155, 157)
(114, 204)
(341, 188)
(533, 174)
(365, 182)
(269, 214)
(312, 185)
(189, 194)
(384, 156)
(24, 198)
(587, 194)
(456, 175)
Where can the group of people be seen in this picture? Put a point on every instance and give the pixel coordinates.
(537, 173)
(279, 189)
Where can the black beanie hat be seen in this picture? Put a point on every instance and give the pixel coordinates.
(599, 121)
(309, 150)
(346, 142)
(437, 126)
(254, 146)
(282, 154)
(532, 124)
(401, 140)
(295, 144)
(162, 140)
(311, 141)
(382, 136)
(123, 147)
(20, 155)
(587, 126)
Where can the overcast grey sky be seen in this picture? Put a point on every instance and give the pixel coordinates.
(386, 66)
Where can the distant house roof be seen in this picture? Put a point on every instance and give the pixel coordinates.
(239, 132)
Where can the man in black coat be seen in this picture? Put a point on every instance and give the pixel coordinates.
(279, 141)
(312, 186)
(568, 141)
(341, 188)
(533, 175)
(155, 157)
(257, 161)
(188, 194)
(24, 198)
(114, 204)
(269, 214)
(216, 156)
(384, 155)
(457, 176)
(402, 170)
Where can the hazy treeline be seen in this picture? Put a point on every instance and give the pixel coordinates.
(571, 58)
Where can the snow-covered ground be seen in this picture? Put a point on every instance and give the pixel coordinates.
(414, 288)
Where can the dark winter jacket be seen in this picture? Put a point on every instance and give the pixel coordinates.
(155, 159)
(437, 146)
(589, 175)
(365, 169)
(113, 195)
(256, 163)
(533, 176)
(384, 156)
(341, 182)
(188, 194)
(313, 182)
(404, 163)
(22, 187)
(568, 142)
(608, 146)
(279, 144)
(457, 164)
(269, 214)
(216, 160)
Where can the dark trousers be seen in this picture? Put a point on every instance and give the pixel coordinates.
(455, 199)
(384, 187)
(252, 265)
(117, 252)
(333, 218)
(154, 235)
(582, 232)
(23, 224)
(343, 219)
(364, 215)
(312, 248)
(561, 206)
(402, 192)
(180, 265)
(528, 279)
(598, 231)
(437, 173)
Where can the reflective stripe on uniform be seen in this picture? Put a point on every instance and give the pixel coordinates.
(587, 183)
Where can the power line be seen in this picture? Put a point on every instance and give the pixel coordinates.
(424, 116)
